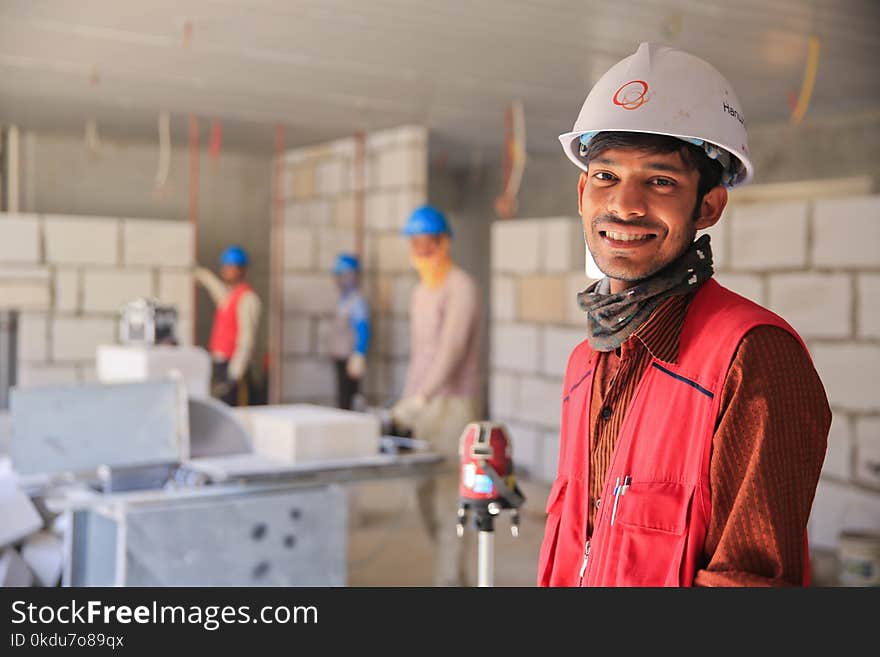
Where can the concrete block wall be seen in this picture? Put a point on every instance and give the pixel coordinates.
(815, 262)
(69, 276)
(319, 221)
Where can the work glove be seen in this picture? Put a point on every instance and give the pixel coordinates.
(407, 410)
(356, 366)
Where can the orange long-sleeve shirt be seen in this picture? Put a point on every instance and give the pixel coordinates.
(767, 451)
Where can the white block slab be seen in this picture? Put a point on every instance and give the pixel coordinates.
(176, 288)
(562, 244)
(846, 232)
(551, 456)
(299, 248)
(392, 254)
(329, 177)
(839, 454)
(769, 236)
(301, 433)
(297, 336)
(25, 288)
(503, 395)
(718, 240)
(67, 290)
(77, 338)
(128, 363)
(515, 347)
(43, 553)
(816, 305)
(33, 338)
(82, 240)
(868, 451)
(13, 570)
(108, 290)
(32, 375)
(575, 284)
(516, 246)
(381, 209)
(21, 238)
(868, 309)
(540, 402)
(20, 516)
(749, 286)
(840, 507)
(308, 379)
(309, 293)
(849, 374)
(503, 298)
(528, 448)
(332, 242)
(157, 242)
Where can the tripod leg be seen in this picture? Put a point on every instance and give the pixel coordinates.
(486, 559)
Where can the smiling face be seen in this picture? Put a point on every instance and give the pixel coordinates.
(638, 211)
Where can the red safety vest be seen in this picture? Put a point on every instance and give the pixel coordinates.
(664, 447)
(224, 333)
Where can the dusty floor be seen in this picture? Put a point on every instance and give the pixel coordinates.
(389, 547)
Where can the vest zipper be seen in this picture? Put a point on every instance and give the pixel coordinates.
(584, 563)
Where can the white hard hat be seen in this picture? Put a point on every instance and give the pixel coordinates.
(664, 91)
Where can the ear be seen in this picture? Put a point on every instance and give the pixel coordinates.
(582, 182)
(712, 206)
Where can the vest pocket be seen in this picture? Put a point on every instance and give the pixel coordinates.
(652, 524)
(551, 531)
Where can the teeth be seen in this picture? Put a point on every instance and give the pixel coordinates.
(625, 237)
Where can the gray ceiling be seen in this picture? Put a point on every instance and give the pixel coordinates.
(327, 68)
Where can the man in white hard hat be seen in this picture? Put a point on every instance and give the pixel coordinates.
(694, 425)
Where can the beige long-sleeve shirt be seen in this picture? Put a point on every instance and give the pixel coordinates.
(248, 315)
(445, 325)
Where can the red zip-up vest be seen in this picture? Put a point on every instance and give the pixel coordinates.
(224, 333)
(662, 452)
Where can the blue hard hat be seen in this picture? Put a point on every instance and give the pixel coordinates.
(346, 262)
(234, 255)
(427, 220)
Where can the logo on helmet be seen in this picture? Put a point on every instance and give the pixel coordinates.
(631, 95)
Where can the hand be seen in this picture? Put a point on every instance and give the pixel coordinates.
(406, 411)
(356, 366)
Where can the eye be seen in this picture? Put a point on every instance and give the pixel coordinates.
(663, 182)
(603, 176)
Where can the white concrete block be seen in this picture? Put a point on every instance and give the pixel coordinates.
(380, 209)
(503, 395)
(309, 294)
(748, 285)
(846, 232)
(768, 236)
(21, 238)
(74, 240)
(25, 294)
(574, 285)
(401, 167)
(297, 336)
(516, 246)
(528, 448)
(868, 451)
(328, 177)
(332, 242)
(816, 305)
(839, 455)
(392, 254)
(408, 199)
(130, 363)
(185, 331)
(20, 516)
(157, 242)
(503, 298)
(176, 288)
(868, 309)
(400, 337)
(345, 212)
(557, 347)
(306, 379)
(719, 240)
(301, 433)
(515, 348)
(840, 507)
(540, 401)
(43, 553)
(33, 338)
(88, 373)
(32, 375)
(324, 331)
(68, 298)
(299, 248)
(550, 460)
(397, 382)
(108, 290)
(318, 212)
(77, 338)
(13, 570)
(848, 372)
(562, 245)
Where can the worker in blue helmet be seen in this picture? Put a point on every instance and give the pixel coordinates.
(350, 336)
(236, 320)
(441, 393)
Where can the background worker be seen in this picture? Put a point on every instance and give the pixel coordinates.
(441, 393)
(234, 332)
(694, 424)
(351, 331)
